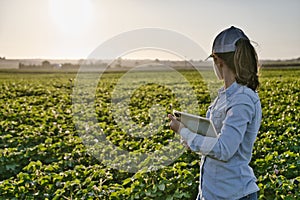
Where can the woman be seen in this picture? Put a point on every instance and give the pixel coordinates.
(236, 114)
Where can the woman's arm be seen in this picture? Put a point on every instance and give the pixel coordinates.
(232, 133)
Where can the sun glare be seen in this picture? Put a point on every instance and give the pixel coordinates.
(71, 16)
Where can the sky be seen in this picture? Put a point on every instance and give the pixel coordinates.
(73, 29)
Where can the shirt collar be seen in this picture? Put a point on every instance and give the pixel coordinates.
(228, 91)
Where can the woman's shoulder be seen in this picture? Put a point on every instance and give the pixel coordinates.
(244, 94)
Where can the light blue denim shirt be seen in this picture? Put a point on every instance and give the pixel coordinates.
(225, 171)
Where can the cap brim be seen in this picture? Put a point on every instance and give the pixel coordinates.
(210, 56)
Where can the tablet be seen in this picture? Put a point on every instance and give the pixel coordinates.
(196, 124)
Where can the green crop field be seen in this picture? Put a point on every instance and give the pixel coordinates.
(45, 155)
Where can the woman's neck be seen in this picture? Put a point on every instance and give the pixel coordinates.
(229, 77)
(228, 82)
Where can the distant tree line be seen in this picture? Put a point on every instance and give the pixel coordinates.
(47, 65)
(282, 63)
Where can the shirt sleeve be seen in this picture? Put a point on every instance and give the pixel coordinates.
(232, 133)
(198, 143)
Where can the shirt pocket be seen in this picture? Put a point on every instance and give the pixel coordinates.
(218, 117)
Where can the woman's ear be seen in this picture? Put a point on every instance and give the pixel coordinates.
(219, 61)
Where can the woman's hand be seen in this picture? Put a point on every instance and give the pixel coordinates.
(175, 125)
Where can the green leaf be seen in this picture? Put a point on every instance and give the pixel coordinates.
(269, 157)
(11, 167)
(126, 181)
(161, 186)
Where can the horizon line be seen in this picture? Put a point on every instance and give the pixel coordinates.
(160, 59)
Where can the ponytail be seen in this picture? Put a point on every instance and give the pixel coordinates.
(246, 64)
(243, 62)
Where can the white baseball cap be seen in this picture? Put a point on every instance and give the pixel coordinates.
(225, 41)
